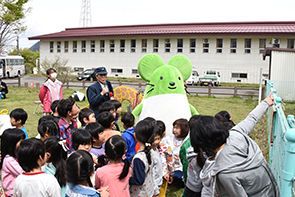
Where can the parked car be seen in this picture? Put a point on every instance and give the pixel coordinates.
(88, 74)
(194, 78)
(211, 78)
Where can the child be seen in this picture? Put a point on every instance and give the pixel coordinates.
(128, 121)
(53, 108)
(141, 180)
(115, 175)
(224, 118)
(34, 182)
(86, 116)
(47, 129)
(10, 168)
(108, 106)
(118, 108)
(18, 118)
(82, 140)
(235, 165)
(67, 109)
(106, 119)
(180, 135)
(79, 168)
(56, 154)
(50, 91)
(98, 138)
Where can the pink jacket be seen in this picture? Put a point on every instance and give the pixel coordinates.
(46, 97)
(10, 171)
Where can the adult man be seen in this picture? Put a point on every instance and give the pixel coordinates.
(99, 92)
(3, 89)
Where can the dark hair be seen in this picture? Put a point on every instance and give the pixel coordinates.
(224, 118)
(115, 148)
(58, 158)
(79, 167)
(184, 126)
(192, 119)
(45, 119)
(128, 119)
(116, 103)
(80, 137)
(65, 106)
(144, 133)
(84, 113)
(105, 119)
(28, 153)
(54, 105)
(9, 139)
(19, 114)
(48, 71)
(161, 128)
(150, 119)
(50, 127)
(206, 135)
(94, 129)
(106, 106)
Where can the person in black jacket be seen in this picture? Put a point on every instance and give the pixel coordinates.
(99, 92)
(3, 89)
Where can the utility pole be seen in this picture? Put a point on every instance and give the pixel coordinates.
(85, 16)
(17, 44)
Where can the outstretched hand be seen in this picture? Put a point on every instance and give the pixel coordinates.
(269, 99)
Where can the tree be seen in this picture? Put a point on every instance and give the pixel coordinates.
(12, 14)
(59, 64)
(29, 57)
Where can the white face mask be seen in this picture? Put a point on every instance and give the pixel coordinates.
(53, 75)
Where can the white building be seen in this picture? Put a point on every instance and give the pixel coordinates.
(235, 49)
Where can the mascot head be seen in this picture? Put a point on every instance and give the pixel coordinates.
(164, 79)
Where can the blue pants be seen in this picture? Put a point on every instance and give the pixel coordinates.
(177, 178)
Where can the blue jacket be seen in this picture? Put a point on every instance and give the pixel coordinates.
(94, 97)
(131, 143)
(81, 191)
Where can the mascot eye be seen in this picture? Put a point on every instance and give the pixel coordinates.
(179, 78)
(161, 77)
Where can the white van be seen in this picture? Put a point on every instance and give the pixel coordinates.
(11, 66)
(194, 78)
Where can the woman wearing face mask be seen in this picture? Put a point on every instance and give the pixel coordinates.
(50, 91)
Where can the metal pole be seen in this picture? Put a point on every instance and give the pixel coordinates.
(260, 86)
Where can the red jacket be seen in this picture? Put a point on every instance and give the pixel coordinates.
(46, 97)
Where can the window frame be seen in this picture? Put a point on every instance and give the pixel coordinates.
(239, 75)
(219, 45)
(75, 46)
(179, 45)
(206, 45)
(155, 45)
(133, 45)
(233, 45)
(143, 48)
(92, 46)
(58, 46)
(101, 46)
(167, 42)
(112, 46)
(66, 46)
(122, 46)
(288, 43)
(51, 47)
(83, 46)
(261, 49)
(247, 45)
(192, 48)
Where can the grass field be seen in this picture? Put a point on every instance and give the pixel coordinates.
(20, 97)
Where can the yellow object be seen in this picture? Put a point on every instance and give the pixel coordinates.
(122, 93)
(163, 188)
(4, 112)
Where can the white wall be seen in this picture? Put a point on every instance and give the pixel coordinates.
(224, 62)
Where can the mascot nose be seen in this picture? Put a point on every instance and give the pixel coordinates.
(172, 83)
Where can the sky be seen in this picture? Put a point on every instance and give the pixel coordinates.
(50, 16)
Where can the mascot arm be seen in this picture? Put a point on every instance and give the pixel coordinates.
(137, 110)
(193, 110)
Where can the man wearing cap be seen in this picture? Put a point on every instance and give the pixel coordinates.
(99, 92)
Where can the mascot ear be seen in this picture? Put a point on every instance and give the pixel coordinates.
(148, 64)
(183, 64)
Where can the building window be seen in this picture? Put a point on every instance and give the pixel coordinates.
(102, 46)
(92, 46)
(133, 46)
(290, 43)
(205, 45)
(167, 45)
(192, 46)
(179, 45)
(117, 70)
(219, 45)
(122, 46)
(155, 45)
(83, 46)
(112, 46)
(247, 45)
(74, 46)
(51, 45)
(58, 45)
(239, 75)
(66, 46)
(144, 45)
(134, 71)
(233, 45)
(262, 45)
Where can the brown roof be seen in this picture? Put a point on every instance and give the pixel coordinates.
(184, 29)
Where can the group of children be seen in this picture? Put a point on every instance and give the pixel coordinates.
(97, 159)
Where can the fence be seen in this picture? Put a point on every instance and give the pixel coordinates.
(281, 141)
